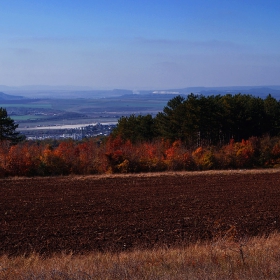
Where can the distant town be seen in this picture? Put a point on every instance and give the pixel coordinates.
(75, 132)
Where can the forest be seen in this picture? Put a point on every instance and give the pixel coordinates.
(192, 133)
(211, 120)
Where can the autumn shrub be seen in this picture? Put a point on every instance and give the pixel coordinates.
(4, 151)
(91, 158)
(265, 151)
(131, 155)
(23, 160)
(244, 154)
(123, 156)
(204, 158)
(226, 156)
(52, 164)
(269, 155)
(152, 156)
(68, 153)
(178, 157)
(34, 153)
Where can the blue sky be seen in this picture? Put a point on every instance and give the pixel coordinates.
(140, 44)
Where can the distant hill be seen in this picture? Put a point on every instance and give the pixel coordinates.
(258, 91)
(66, 92)
(261, 92)
(4, 96)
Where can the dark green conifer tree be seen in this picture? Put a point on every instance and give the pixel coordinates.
(8, 128)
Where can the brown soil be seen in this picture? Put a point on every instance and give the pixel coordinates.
(82, 214)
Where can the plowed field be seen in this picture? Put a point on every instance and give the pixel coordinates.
(81, 214)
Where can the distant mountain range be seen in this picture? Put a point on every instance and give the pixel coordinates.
(62, 92)
(4, 96)
(43, 88)
(13, 93)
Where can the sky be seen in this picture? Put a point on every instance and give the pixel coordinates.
(140, 44)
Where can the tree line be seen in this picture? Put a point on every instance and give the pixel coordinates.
(115, 155)
(192, 133)
(200, 120)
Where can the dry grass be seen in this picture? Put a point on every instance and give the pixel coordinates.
(255, 258)
(156, 174)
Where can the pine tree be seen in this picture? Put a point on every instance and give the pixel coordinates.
(8, 128)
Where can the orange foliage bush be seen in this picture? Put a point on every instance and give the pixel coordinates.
(204, 159)
(91, 158)
(244, 154)
(23, 160)
(178, 157)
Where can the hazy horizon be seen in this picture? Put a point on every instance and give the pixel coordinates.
(87, 88)
(139, 45)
